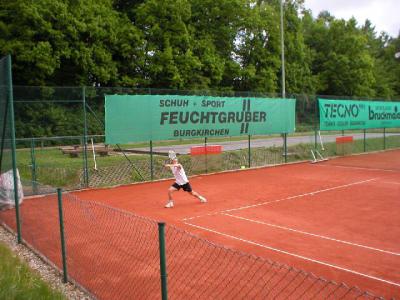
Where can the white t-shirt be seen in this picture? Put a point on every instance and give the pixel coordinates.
(180, 175)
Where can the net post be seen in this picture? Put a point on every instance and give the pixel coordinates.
(163, 261)
(151, 161)
(33, 163)
(62, 237)
(85, 131)
(249, 137)
(13, 147)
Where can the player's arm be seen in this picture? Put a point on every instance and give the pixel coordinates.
(173, 165)
(168, 163)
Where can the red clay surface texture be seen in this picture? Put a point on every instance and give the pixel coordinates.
(338, 219)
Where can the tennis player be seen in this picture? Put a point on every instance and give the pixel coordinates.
(181, 182)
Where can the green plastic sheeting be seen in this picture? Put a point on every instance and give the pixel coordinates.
(350, 114)
(132, 118)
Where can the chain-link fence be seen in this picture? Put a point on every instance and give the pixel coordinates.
(5, 130)
(115, 254)
(112, 253)
(60, 141)
(10, 187)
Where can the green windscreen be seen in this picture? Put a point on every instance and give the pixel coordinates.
(161, 117)
(350, 114)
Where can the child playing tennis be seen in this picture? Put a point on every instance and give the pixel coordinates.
(181, 182)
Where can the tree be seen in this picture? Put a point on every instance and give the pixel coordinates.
(55, 42)
(393, 64)
(215, 27)
(257, 50)
(195, 44)
(340, 59)
(169, 60)
(299, 78)
(36, 44)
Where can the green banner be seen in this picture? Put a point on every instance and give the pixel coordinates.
(132, 118)
(350, 114)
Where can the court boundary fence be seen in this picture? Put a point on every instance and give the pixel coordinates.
(94, 215)
(88, 102)
(8, 163)
(114, 253)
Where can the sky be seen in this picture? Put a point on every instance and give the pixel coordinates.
(383, 14)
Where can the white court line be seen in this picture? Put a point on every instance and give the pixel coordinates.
(390, 182)
(312, 234)
(201, 216)
(357, 168)
(283, 199)
(296, 255)
(301, 195)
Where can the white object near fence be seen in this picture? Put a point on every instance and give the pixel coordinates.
(7, 190)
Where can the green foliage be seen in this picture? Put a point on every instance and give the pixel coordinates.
(340, 58)
(17, 281)
(258, 50)
(225, 45)
(168, 48)
(54, 120)
(196, 44)
(67, 42)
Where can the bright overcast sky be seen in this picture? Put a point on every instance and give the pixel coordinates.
(383, 14)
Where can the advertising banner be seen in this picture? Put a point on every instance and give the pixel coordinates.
(131, 118)
(351, 114)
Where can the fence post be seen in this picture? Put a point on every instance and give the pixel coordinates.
(384, 138)
(163, 261)
(249, 151)
(85, 132)
(151, 161)
(285, 145)
(10, 99)
(62, 237)
(316, 125)
(33, 163)
(315, 138)
(365, 141)
(205, 154)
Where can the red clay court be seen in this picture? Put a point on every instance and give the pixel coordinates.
(338, 219)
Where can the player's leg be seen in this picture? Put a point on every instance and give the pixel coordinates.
(188, 188)
(173, 188)
(198, 196)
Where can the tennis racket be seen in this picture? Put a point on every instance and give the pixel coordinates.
(171, 154)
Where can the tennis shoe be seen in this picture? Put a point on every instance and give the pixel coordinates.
(170, 204)
(202, 199)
